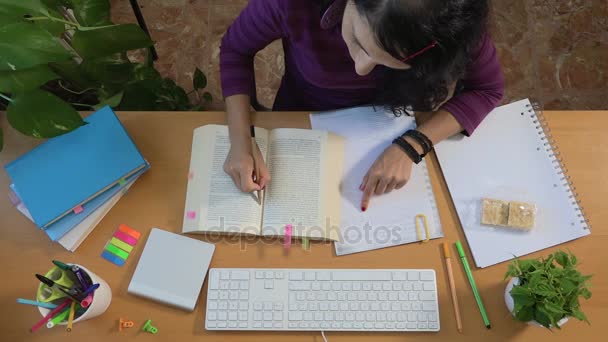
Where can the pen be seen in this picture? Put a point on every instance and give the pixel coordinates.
(50, 315)
(254, 146)
(71, 317)
(467, 270)
(448, 265)
(88, 296)
(35, 303)
(61, 265)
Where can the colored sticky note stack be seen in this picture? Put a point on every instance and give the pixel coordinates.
(120, 245)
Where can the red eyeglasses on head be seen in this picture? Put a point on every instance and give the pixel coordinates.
(421, 51)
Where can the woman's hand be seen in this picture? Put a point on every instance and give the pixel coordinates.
(390, 171)
(240, 166)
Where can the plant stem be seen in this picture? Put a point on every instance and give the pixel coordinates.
(73, 91)
(55, 19)
(6, 98)
(82, 105)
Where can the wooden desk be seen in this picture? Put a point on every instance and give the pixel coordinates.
(157, 200)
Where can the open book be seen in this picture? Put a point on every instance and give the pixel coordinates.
(305, 166)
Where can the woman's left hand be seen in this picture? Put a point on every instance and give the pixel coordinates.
(390, 171)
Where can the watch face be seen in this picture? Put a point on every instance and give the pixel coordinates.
(333, 14)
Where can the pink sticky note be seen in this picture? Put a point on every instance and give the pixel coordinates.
(190, 175)
(78, 209)
(191, 215)
(287, 242)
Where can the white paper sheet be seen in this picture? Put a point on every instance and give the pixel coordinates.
(390, 218)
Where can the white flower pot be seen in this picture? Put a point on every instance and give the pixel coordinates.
(511, 303)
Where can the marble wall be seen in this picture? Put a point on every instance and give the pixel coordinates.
(555, 51)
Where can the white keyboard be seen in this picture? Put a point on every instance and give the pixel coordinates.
(322, 299)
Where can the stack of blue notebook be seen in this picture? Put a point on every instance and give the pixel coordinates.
(70, 182)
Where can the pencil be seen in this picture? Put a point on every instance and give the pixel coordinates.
(71, 317)
(448, 265)
(467, 270)
(254, 146)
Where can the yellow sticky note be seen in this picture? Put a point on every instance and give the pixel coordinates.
(121, 244)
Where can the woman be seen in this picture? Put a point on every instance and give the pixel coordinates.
(425, 55)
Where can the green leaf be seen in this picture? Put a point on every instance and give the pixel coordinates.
(525, 314)
(578, 314)
(72, 72)
(562, 258)
(41, 114)
(112, 72)
(112, 101)
(207, 97)
(199, 80)
(92, 12)
(554, 308)
(53, 27)
(567, 285)
(144, 72)
(55, 4)
(522, 296)
(585, 293)
(25, 45)
(26, 79)
(110, 40)
(139, 96)
(542, 317)
(17, 9)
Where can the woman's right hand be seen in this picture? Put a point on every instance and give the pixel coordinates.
(240, 166)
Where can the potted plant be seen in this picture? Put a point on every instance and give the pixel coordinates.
(545, 292)
(61, 56)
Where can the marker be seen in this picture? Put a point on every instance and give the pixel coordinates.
(61, 265)
(35, 303)
(71, 317)
(80, 276)
(467, 270)
(66, 290)
(88, 296)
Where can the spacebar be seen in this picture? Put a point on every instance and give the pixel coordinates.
(361, 275)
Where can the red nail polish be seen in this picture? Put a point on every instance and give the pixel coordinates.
(363, 208)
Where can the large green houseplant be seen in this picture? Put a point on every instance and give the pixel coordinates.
(60, 56)
(546, 291)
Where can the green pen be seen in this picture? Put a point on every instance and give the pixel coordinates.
(467, 270)
(61, 265)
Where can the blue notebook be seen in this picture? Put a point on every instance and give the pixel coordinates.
(59, 228)
(70, 170)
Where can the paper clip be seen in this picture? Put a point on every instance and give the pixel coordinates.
(426, 228)
(287, 242)
(305, 244)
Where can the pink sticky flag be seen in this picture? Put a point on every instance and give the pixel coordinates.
(287, 242)
(78, 210)
(191, 215)
(190, 175)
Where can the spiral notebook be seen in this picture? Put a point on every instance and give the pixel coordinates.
(390, 219)
(511, 157)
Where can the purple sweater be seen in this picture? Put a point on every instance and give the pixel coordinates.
(319, 73)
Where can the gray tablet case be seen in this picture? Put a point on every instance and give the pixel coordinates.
(172, 269)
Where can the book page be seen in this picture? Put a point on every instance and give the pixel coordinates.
(213, 202)
(304, 184)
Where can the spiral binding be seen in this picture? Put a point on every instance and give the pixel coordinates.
(429, 189)
(538, 118)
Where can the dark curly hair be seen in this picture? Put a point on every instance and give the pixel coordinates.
(403, 27)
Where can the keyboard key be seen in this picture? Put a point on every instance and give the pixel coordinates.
(267, 316)
(368, 325)
(267, 306)
(428, 286)
(321, 296)
(295, 275)
(373, 296)
(244, 285)
(213, 294)
(269, 284)
(396, 286)
(293, 307)
(211, 324)
(211, 316)
(370, 316)
(365, 306)
(412, 275)
(411, 316)
(391, 316)
(269, 274)
(333, 306)
(392, 296)
(301, 296)
(375, 306)
(407, 286)
(422, 317)
(239, 275)
(278, 324)
(348, 325)
(324, 325)
(386, 286)
(416, 306)
(379, 325)
(422, 326)
(433, 326)
(310, 296)
(299, 286)
(232, 316)
(427, 275)
(381, 316)
(347, 286)
(402, 295)
(407, 306)
(243, 305)
(303, 306)
(278, 275)
(354, 306)
(278, 306)
(292, 325)
(428, 306)
(309, 275)
(377, 286)
(318, 316)
(401, 316)
(316, 286)
(350, 316)
(336, 286)
(326, 286)
(385, 306)
(313, 306)
(343, 306)
(332, 296)
(362, 295)
(413, 296)
(224, 274)
(222, 305)
(399, 276)
(336, 325)
(234, 295)
(360, 316)
(212, 305)
(308, 316)
(221, 324)
(390, 325)
(328, 316)
(233, 306)
(257, 324)
(222, 315)
(277, 316)
(304, 325)
(395, 306)
(295, 316)
(323, 306)
(323, 276)
(367, 286)
(243, 324)
(267, 325)
(243, 294)
(356, 286)
(232, 324)
(340, 316)
(432, 317)
(427, 295)
(411, 326)
(242, 316)
(400, 325)
(315, 325)
(223, 295)
(417, 286)
(257, 306)
(214, 280)
(352, 296)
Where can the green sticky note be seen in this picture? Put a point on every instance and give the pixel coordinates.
(121, 244)
(117, 251)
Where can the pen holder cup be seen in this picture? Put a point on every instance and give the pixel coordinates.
(100, 303)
